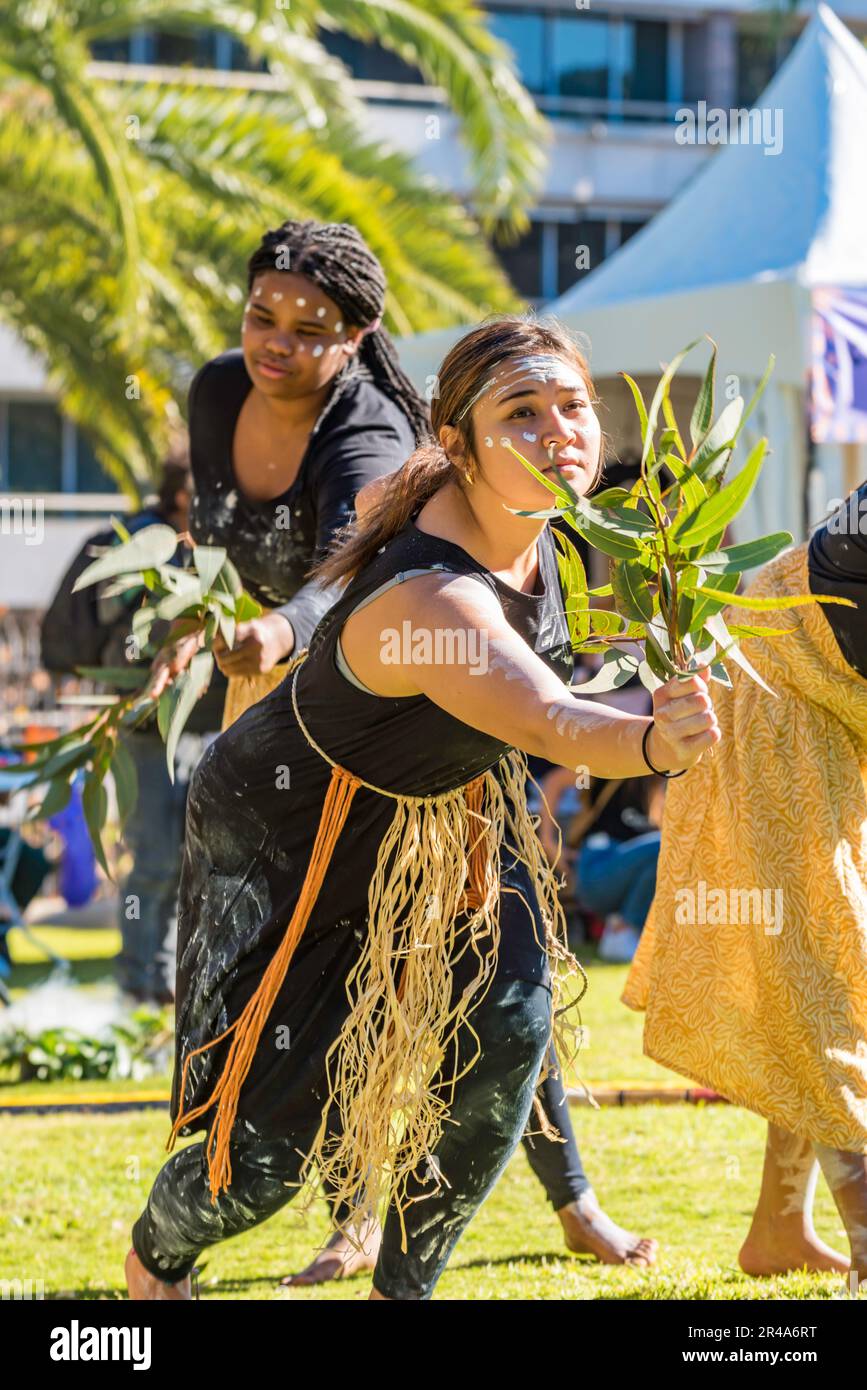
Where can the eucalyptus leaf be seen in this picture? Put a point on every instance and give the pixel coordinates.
(208, 560)
(702, 414)
(150, 546)
(125, 781)
(617, 668)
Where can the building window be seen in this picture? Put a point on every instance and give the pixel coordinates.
(45, 452)
(110, 50)
(523, 262)
(90, 476)
(580, 56)
(35, 445)
(368, 62)
(196, 49)
(524, 32)
(580, 249)
(644, 60)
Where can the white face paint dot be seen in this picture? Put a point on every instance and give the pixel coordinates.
(301, 301)
(338, 326)
(276, 296)
(333, 347)
(489, 441)
(531, 438)
(318, 350)
(257, 291)
(320, 313)
(505, 440)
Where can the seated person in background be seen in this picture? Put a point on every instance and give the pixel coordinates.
(610, 849)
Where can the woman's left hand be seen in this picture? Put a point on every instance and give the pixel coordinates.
(259, 645)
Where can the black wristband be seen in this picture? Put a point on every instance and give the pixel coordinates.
(657, 770)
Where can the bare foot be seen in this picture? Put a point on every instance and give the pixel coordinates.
(339, 1259)
(786, 1244)
(590, 1232)
(144, 1286)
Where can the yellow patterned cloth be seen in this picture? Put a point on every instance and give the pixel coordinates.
(764, 999)
(244, 691)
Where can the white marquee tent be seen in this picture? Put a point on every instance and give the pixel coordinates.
(736, 254)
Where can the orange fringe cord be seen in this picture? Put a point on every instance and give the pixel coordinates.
(248, 1026)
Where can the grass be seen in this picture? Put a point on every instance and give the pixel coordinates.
(688, 1175)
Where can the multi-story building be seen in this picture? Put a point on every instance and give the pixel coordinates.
(611, 76)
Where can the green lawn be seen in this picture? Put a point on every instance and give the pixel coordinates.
(685, 1174)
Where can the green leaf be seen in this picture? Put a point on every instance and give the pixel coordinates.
(119, 529)
(759, 392)
(713, 453)
(188, 684)
(650, 681)
(713, 599)
(642, 417)
(153, 545)
(208, 560)
(126, 677)
(174, 605)
(719, 510)
(227, 628)
(612, 496)
(653, 414)
(631, 592)
(729, 648)
(58, 796)
(659, 661)
(574, 584)
(786, 601)
(702, 414)
(164, 710)
(671, 422)
(125, 781)
(737, 558)
(617, 668)
(740, 630)
(95, 804)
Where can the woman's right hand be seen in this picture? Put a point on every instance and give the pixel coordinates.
(684, 723)
(171, 661)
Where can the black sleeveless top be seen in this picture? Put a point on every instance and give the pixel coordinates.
(253, 811)
(409, 744)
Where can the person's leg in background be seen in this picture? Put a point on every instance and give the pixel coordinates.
(489, 1111)
(781, 1236)
(147, 910)
(339, 1257)
(846, 1175)
(617, 880)
(557, 1165)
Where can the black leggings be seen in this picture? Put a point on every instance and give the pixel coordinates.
(556, 1162)
(491, 1105)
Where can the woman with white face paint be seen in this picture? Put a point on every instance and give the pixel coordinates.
(369, 927)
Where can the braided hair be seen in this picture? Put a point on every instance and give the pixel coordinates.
(336, 257)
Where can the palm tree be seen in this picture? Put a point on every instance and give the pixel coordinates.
(130, 206)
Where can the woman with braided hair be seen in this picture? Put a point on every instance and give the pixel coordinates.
(285, 430)
(369, 927)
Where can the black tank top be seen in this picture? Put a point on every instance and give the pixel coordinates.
(409, 744)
